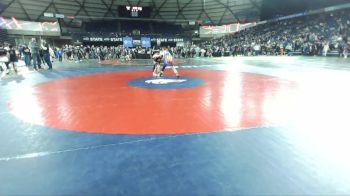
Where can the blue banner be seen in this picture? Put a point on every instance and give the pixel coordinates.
(145, 42)
(127, 42)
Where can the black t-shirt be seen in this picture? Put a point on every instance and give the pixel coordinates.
(46, 51)
(26, 50)
(3, 52)
(69, 52)
(41, 52)
(13, 56)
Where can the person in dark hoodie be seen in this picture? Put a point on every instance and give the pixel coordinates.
(13, 57)
(46, 54)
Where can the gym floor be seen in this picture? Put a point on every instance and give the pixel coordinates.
(244, 125)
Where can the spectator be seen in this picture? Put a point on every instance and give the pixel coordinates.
(34, 50)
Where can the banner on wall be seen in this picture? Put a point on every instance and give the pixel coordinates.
(120, 39)
(25, 27)
(145, 42)
(128, 42)
(210, 31)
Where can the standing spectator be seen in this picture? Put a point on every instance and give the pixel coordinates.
(46, 53)
(26, 53)
(34, 49)
(325, 49)
(41, 57)
(60, 54)
(8, 57)
(13, 58)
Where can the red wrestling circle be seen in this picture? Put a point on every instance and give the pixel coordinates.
(105, 103)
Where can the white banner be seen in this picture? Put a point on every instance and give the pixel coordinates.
(20, 25)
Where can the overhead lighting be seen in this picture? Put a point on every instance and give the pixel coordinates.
(16, 22)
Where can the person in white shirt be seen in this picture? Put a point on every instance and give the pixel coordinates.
(325, 49)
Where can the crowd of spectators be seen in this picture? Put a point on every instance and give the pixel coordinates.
(307, 35)
(79, 53)
(34, 55)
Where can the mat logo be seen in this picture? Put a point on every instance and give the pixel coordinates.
(164, 81)
(167, 82)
